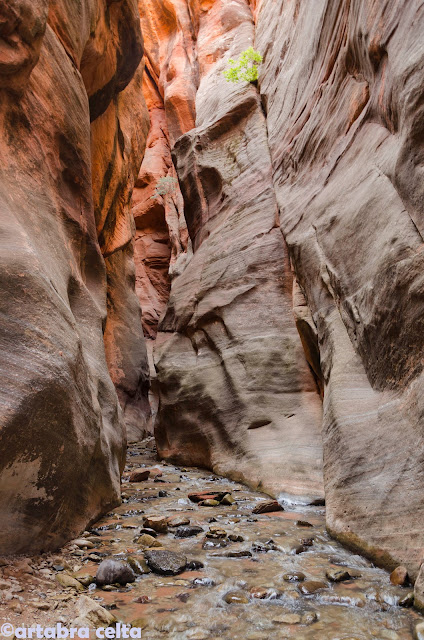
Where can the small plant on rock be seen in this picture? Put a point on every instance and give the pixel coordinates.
(245, 68)
(165, 186)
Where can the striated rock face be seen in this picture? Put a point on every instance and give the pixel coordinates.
(62, 438)
(236, 394)
(342, 86)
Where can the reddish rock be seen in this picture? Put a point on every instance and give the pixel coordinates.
(268, 506)
(399, 576)
(206, 495)
(139, 475)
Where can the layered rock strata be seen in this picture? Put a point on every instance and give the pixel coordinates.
(62, 438)
(236, 393)
(342, 87)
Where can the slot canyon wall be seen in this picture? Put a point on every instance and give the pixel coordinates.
(68, 304)
(327, 149)
(279, 272)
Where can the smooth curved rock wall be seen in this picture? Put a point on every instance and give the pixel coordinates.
(62, 437)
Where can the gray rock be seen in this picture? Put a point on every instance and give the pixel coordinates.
(114, 572)
(188, 532)
(167, 563)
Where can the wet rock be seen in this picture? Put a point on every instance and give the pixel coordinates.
(307, 542)
(303, 523)
(178, 521)
(138, 565)
(264, 593)
(238, 554)
(267, 506)
(147, 541)
(83, 543)
(203, 582)
(419, 631)
(162, 494)
(139, 475)
(114, 572)
(337, 575)
(399, 576)
(188, 532)
(68, 581)
(235, 537)
(216, 532)
(236, 597)
(157, 523)
(228, 500)
(300, 548)
(214, 544)
(58, 567)
(149, 532)
(309, 617)
(287, 618)
(294, 576)
(167, 563)
(86, 579)
(407, 600)
(311, 586)
(194, 565)
(207, 495)
(91, 614)
(139, 623)
(209, 503)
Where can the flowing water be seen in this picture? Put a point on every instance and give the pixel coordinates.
(248, 597)
(192, 605)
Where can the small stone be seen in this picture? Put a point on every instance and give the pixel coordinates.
(83, 543)
(114, 571)
(399, 576)
(194, 565)
(228, 500)
(311, 586)
(203, 582)
(235, 538)
(407, 600)
(309, 617)
(307, 542)
(209, 503)
(207, 495)
(196, 634)
(294, 576)
(167, 563)
(162, 494)
(157, 523)
(58, 567)
(139, 623)
(147, 541)
(86, 579)
(303, 523)
(178, 521)
(287, 618)
(139, 475)
(149, 532)
(188, 532)
(91, 614)
(42, 606)
(300, 549)
(337, 575)
(216, 532)
(236, 597)
(138, 565)
(267, 506)
(68, 581)
(260, 593)
(238, 554)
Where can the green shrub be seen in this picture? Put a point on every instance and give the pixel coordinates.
(245, 68)
(164, 186)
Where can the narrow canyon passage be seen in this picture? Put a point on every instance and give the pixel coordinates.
(233, 573)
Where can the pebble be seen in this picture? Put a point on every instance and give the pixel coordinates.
(139, 475)
(309, 617)
(157, 523)
(147, 541)
(42, 606)
(399, 576)
(287, 618)
(114, 571)
(303, 523)
(228, 500)
(188, 532)
(294, 576)
(236, 597)
(210, 502)
(337, 575)
(311, 586)
(235, 538)
(138, 565)
(178, 521)
(68, 581)
(267, 506)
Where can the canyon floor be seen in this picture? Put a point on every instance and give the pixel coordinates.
(256, 576)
